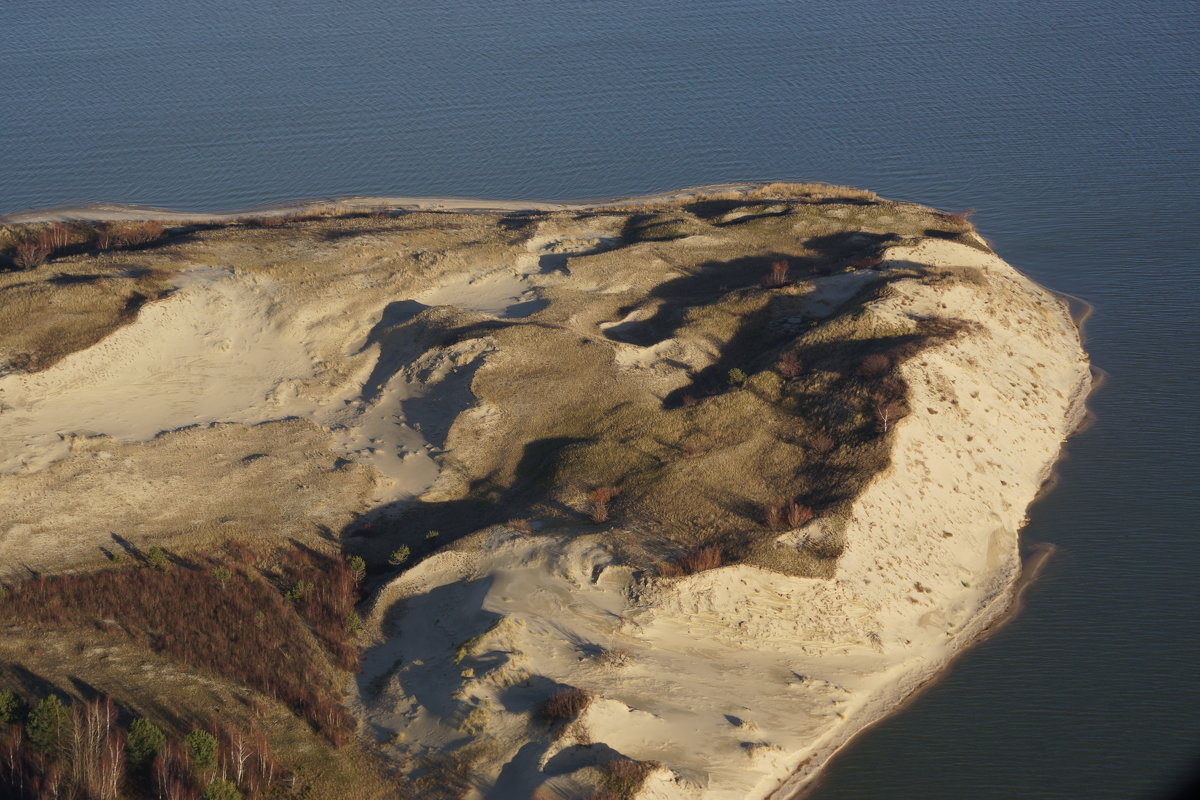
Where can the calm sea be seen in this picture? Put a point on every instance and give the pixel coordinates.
(1070, 126)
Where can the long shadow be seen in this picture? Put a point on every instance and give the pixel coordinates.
(488, 503)
(407, 329)
(426, 637)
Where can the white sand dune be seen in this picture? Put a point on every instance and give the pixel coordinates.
(740, 681)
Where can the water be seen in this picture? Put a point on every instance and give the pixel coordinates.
(1071, 126)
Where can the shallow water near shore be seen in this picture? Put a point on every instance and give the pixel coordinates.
(1071, 127)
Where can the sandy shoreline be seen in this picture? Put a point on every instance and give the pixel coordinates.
(352, 204)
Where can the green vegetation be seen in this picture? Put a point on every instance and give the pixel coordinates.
(221, 790)
(12, 708)
(144, 742)
(399, 555)
(201, 750)
(49, 725)
(156, 558)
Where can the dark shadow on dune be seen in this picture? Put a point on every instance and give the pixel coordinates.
(578, 756)
(420, 648)
(521, 776)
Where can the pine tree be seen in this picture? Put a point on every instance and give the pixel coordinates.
(49, 726)
(145, 741)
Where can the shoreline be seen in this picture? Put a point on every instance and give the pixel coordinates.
(359, 204)
(996, 615)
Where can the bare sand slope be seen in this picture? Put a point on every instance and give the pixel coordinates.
(741, 682)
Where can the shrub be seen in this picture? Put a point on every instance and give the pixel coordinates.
(221, 790)
(887, 414)
(357, 566)
(874, 365)
(144, 742)
(959, 218)
(736, 377)
(201, 750)
(55, 236)
(599, 499)
(135, 234)
(222, 574)
(183, 614)
(787, 514)
(777, 276)
(30, 254)
(299, 591)
(822, 442)
(797, 514)
(789, 367)
(156, 558)
(49, 726)
(566, 704)
(697, 560)
(432, 534)
(520, 526)
(399, 555)
(12, 707)
(623, 777)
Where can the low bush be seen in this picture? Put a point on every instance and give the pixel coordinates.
(778, 276)
(787, 514)
(566, 704)
(623, 778)
(698, 560)
(874, 365)
(599, 499)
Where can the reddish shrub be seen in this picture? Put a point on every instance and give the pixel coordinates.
(822, 442)
(789, 366)
(30, 254)
(135, 234)
(697, 560)
(566, 704)
(787, 514)
(778, 276)
(55, 236)
(797, 514)
(959, 218)
(520, 526)
(874, 365)
(888, 414)
(599, 499)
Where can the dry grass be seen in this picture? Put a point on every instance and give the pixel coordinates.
(42, 321)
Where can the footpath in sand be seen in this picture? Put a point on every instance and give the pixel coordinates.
(305, 390)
